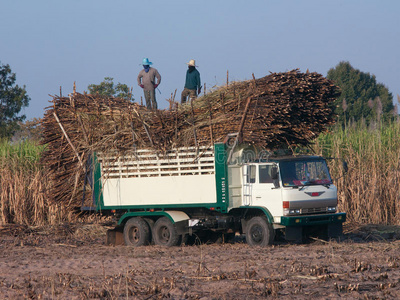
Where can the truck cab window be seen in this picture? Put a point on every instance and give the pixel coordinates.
(299, 173)
(251, 174)
(264, 172)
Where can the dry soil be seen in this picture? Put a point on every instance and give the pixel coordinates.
(74, 262)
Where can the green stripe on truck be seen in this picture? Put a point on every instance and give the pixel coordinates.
(221, 176)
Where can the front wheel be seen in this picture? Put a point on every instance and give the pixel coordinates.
(259, 232)
(136, 232)
(164, 233)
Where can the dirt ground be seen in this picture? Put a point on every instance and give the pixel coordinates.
(74, 262)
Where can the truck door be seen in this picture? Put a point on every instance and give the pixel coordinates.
(264, 191)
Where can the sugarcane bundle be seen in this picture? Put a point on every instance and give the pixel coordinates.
(279, 110)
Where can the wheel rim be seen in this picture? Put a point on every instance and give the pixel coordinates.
(257, 235)
(134, 235)
(164, 234)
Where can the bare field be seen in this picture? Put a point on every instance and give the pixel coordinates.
(73, 262)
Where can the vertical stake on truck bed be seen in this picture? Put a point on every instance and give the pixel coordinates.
(239, 134)
(211, 129)
(194, 128)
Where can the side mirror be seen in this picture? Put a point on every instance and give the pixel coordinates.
(275, 176)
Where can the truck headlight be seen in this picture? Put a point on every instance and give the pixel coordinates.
(332, 209)
(288, 211)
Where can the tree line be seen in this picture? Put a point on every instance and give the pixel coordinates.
(362, 98)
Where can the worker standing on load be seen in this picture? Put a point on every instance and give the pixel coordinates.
(147, 81)
(192, 83)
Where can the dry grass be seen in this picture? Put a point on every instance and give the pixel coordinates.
(24, 200)
(370, 191)
(24, 187)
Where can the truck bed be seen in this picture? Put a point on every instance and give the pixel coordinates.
(185, 176)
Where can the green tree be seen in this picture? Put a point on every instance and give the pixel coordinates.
(12, 99)
(362, 97)
(29, 130)
(107, 88)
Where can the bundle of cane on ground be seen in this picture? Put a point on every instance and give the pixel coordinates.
(278, 110)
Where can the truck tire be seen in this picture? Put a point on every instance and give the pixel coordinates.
(164, 233)
(259, 232)
(150, 222)
(136, 232)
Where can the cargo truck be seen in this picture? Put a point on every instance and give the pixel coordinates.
(232, 190)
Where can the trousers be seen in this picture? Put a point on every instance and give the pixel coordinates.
(150, 97)
(188, 92)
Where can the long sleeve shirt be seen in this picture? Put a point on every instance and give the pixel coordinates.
(192, 80)
(148, 79)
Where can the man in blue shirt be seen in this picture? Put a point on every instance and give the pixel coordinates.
(192, 84)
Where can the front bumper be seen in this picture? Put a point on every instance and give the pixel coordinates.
(312, 220)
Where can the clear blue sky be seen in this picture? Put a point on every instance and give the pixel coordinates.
(53, 43)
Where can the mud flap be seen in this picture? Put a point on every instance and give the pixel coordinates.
(182, 227)
(335, 230)
(115, 237)
(294, 234)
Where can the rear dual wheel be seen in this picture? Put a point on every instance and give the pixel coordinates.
(139, 231)
(165, 233)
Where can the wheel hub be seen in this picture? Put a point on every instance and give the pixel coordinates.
(257, 234)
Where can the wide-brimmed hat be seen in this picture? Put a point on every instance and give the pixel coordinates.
(146, 62)
(192, 63)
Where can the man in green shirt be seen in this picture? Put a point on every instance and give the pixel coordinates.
(192, 84)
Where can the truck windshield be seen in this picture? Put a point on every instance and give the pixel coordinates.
(301, 173)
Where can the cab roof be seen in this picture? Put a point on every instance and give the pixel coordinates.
(294, 158)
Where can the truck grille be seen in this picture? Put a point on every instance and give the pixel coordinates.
(313, 210)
